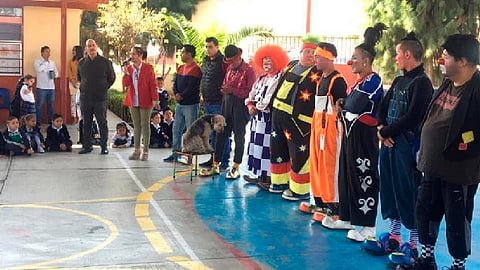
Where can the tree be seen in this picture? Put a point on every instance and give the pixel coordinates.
(432, 21)
(124, 24)
(185, 7)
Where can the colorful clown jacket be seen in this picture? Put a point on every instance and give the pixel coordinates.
(296, 96)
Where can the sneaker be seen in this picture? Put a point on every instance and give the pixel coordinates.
(319, 216)
(307, 208)
(169, 158)
(292, 196)
(40, 150)
(104, 151)
(406, 255)
(233, 174)
(184, 159)
(214, 170)
(251, 180)
(360, 236)
(331, 223)
(386, 244)
(274, 188)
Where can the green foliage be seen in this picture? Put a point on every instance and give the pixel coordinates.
(400, 20)
(115, 104)
(311, 39)
(124, 23)
(432, 21)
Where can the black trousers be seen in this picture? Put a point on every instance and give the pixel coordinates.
(437, 198)
(89, 108)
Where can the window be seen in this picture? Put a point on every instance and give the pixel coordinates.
(11, 41)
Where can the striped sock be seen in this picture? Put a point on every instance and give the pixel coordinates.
(395, 226)
(458, 263)
(413, 238)
(427, 251)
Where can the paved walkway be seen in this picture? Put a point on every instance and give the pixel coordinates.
(70, 211)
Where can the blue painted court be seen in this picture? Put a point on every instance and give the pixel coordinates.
(272, 231)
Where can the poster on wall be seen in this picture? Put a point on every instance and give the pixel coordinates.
(10, 58)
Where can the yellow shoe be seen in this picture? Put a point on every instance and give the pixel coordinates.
(215, 170)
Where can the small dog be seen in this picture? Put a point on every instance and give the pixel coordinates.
(196, 139)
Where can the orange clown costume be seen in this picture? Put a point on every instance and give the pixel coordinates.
(325, 140)
(293, 106)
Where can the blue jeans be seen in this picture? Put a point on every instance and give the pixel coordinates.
(43, 95)
(216, 109)
(184, 117)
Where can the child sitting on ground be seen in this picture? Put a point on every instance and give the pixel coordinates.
(167, 125)
(28, 99)
(122, 137)
(157, 135)
(58, 138)
(32, 132)
(16, 143)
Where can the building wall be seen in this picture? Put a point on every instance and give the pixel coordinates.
(42, 26)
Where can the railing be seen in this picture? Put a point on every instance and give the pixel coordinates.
(292, 44)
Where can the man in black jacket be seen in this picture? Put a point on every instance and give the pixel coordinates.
(213, 73)
(96, 75)
(450, 155)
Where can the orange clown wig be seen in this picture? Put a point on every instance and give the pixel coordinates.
(276, 53)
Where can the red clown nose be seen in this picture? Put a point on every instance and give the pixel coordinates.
(441, 61)
(349, 62)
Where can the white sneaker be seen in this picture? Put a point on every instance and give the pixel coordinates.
(360, 236)
(40, 150)
(330, 223)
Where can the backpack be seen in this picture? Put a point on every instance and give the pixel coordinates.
(16, 103)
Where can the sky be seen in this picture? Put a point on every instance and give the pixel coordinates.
(286, 17)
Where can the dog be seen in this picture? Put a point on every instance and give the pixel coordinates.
(196, 139)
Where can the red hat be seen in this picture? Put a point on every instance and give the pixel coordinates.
(309, 45)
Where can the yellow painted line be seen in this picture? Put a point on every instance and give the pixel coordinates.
(187, 263)
(158, 242)
(141, 209)
(145, 196)
(156, 187)
(113, 234)
(146, 224)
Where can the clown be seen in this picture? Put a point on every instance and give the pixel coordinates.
(272, 59)
(325, 138)
(293, 107)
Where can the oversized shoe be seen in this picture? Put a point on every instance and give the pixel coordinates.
(385, 244)
(331, 223)
(362, 234)
(292, 196)
(405, 255)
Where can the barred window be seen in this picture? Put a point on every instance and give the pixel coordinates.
(11, 41)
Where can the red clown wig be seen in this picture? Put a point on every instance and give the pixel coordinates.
(276, 53)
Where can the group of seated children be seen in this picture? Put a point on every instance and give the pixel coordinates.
(28, 139)
(161, 129)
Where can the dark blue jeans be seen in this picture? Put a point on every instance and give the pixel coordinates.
(45, 95)
(216, 109)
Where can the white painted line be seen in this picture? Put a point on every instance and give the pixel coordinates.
(160, 212)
